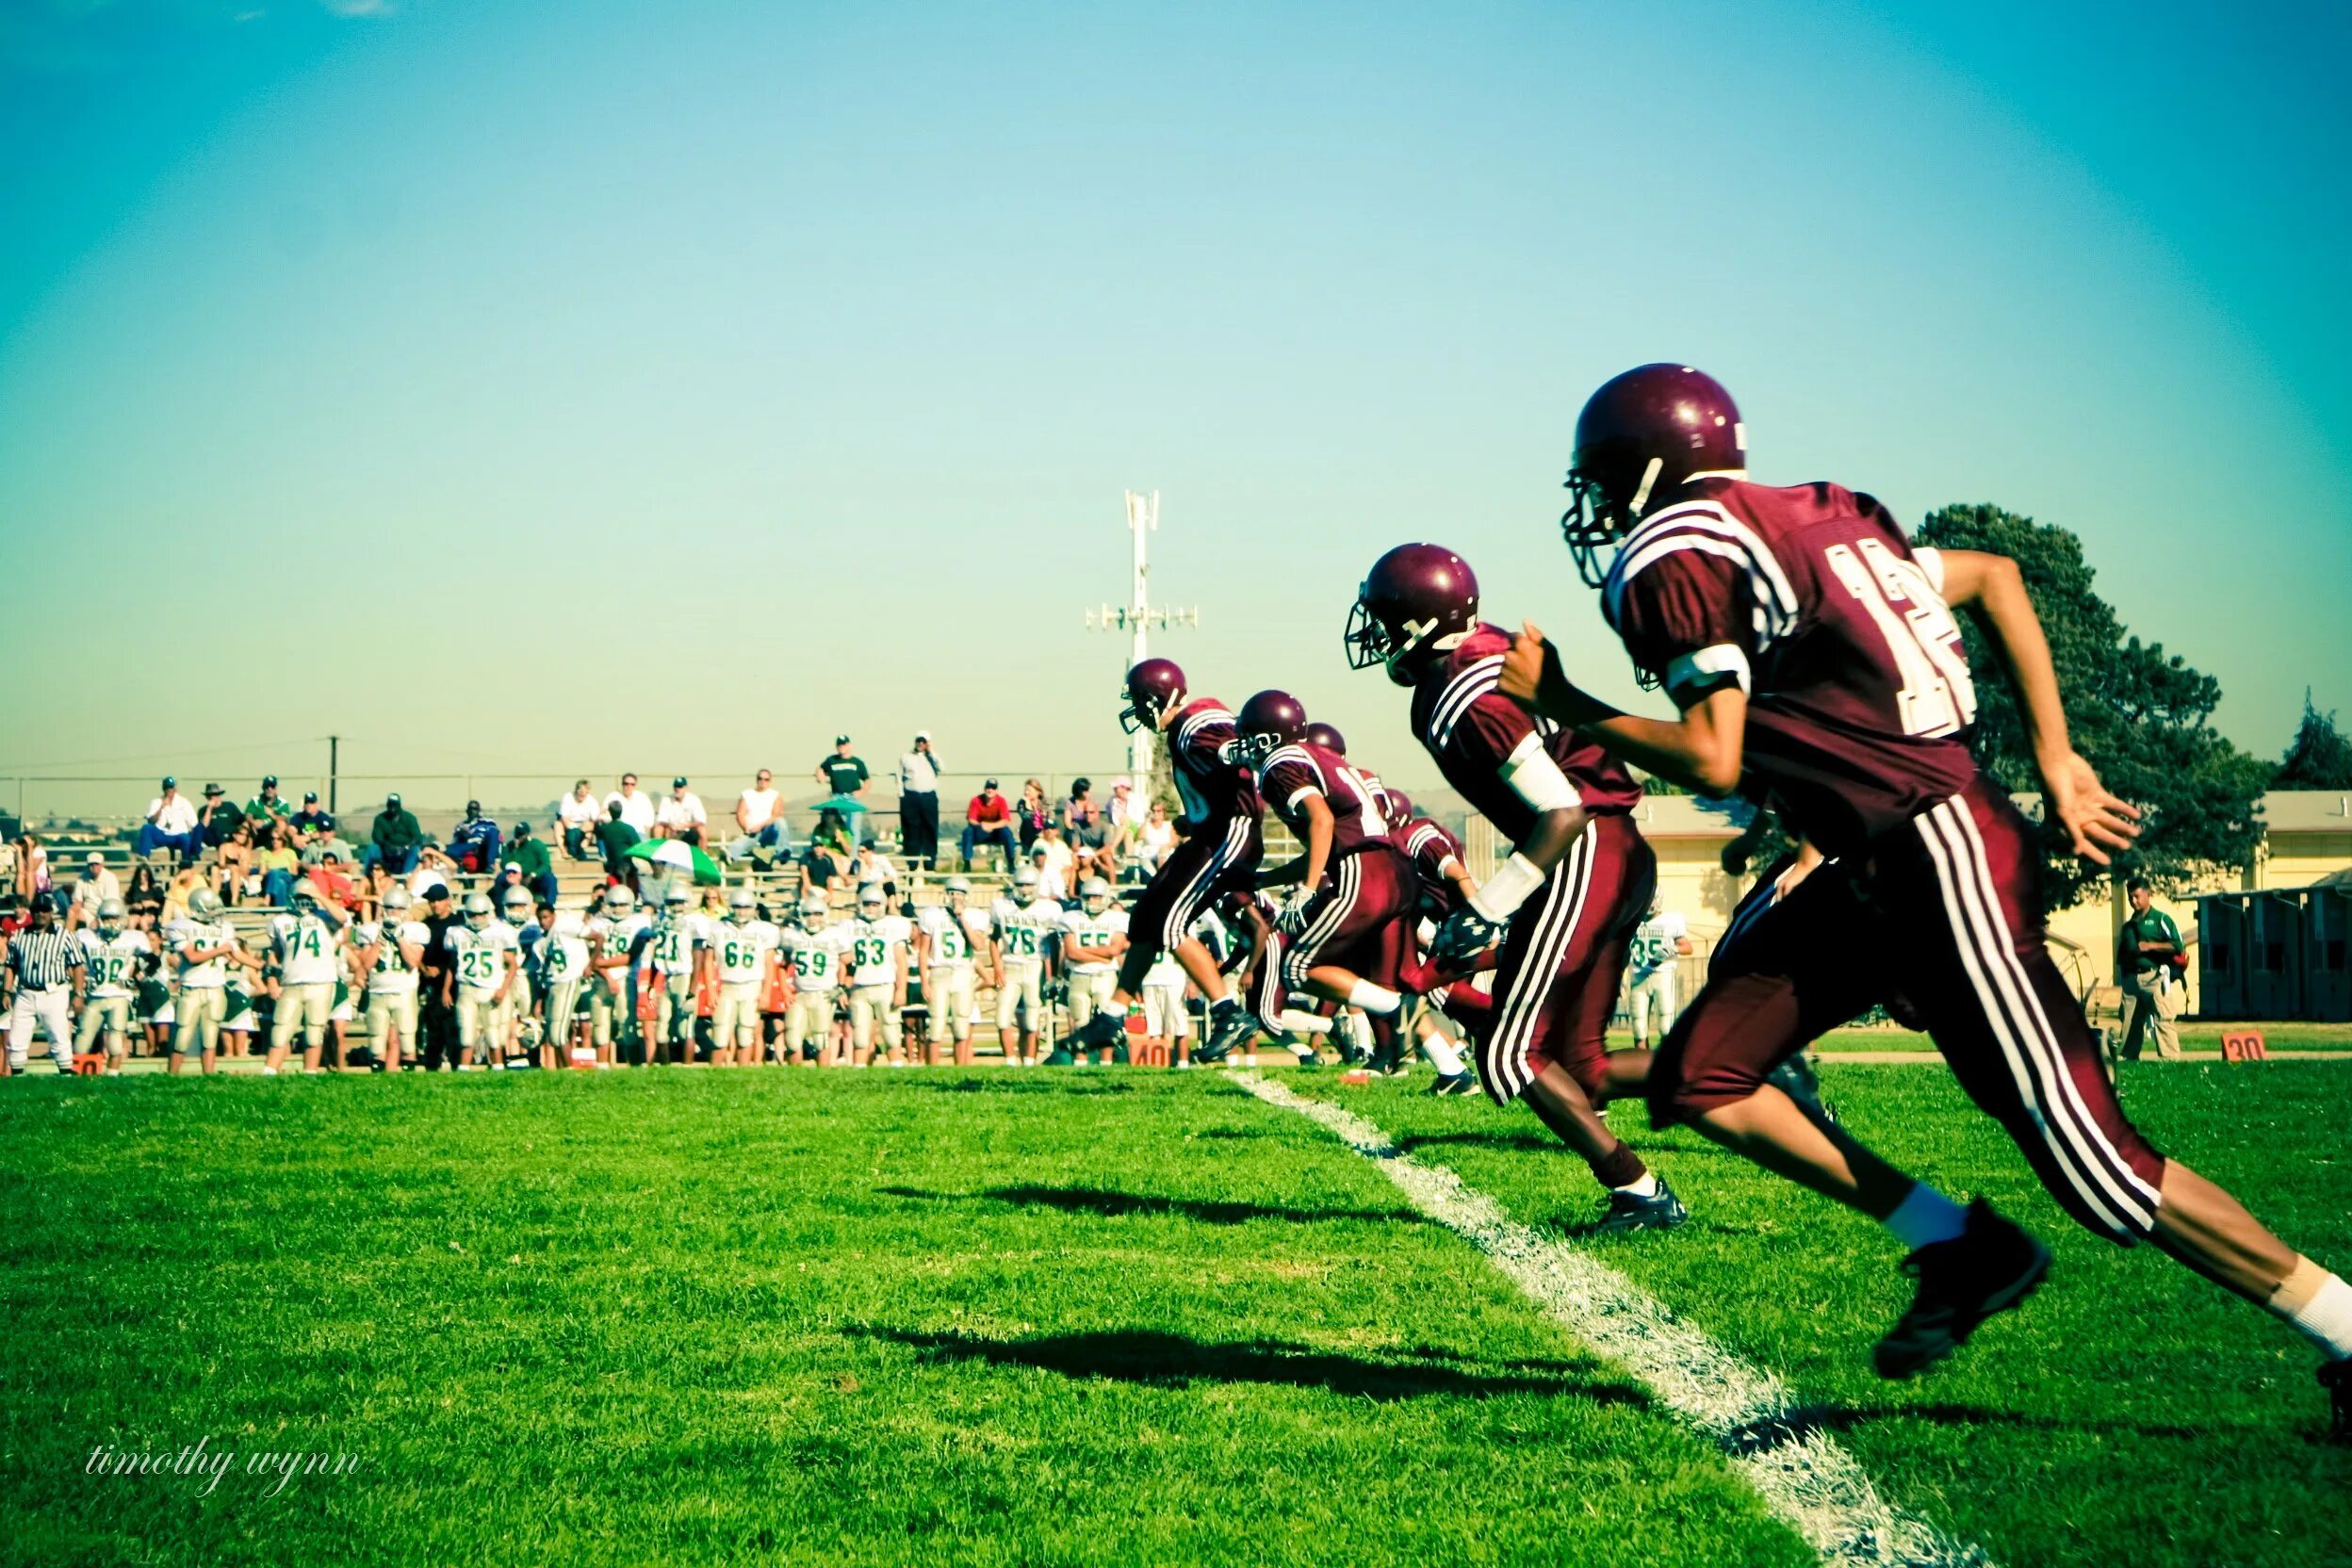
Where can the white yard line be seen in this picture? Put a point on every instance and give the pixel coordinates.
(1802, 1473)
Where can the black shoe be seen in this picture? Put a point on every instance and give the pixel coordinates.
(1449, 1085)
(1795, 1079)
(2336, 1378)
(1660, 1210)
(1102, 1032)
(1229, 1025)
(1061, 1058)
(1990, 1268)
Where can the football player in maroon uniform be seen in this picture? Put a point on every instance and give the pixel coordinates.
(1342, 933)
(1811, 652)
(1578, 882)
(1219, 842)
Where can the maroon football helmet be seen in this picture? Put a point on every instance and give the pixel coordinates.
(1270, 720)
(1154, 687)
(1328, 739)
(1412, 596)
(1641, 435)
(1400, 804)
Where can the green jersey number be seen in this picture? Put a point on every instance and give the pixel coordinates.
(870, 952)
(110, 967)
(738, 955)
(948, 944)
(478, 967)
(1020, 942)
(303, 942)
(670, 947)
(812, 962)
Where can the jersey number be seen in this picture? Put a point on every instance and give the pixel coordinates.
(1938, 696)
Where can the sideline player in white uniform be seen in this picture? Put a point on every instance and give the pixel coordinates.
(203, 947)
(744, 949)
(110, 958)
(1658, 942)
(880, 940)
(946, 935)
(814, 951)
(563, 970)
(1093, 936)
(307, 941)
(388, 952)
(1025, 928)
(612, 998)
(671, 965)
(485, 953)
(1167, 1021)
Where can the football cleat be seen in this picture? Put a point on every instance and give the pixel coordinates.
(1449, 1086)
(1626, 1210)
(1102, 1032)
(1061, 1058)
(1118, 1055)
(2336, 1378)
(1989, 1267)
(1229, 1025)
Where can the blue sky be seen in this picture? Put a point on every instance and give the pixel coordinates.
(543, 387)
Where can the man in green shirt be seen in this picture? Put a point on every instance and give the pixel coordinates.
(395, 838)
(531, 856)
(615, 839)
(2153, 990)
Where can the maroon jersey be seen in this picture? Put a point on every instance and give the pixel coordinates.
(1813, 600)
(1478, 736)
(1214, 790)
(1428, 847)
(1292, 772)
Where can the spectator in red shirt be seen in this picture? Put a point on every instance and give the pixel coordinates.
(988, 820)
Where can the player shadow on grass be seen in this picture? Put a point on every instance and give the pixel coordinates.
(1110, 1204)
(1803, 1421)
(1157, 1359)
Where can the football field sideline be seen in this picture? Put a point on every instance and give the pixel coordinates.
(1802, 1473)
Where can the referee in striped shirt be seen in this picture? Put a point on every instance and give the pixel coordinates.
(44, 979)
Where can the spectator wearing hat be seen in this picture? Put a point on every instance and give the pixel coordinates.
(988, 821)
(577, 814)
(526, 851)
(844, 773)
(681, 814)
(170, 824)
(474, 841)
(919, 805)
(96, 885)
(310, 826)
(395, 838)
(268, 805)
(637, 807)
(219, 817)
(758, 818)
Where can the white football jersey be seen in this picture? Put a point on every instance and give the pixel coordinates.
(1022, 930)
(112, 965)
(950, 938)
(816, 958)
(564, 949)
(671, 947)
(480, 955)
(616, 936)
(305, 947)
(391, 974)
(743, 949)
(185, 934)
(1080, 928)
(874, 945)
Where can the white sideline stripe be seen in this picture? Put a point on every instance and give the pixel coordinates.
(1804, 1475)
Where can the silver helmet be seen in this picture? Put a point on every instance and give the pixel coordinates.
(741, 904)
(111, 914)
(618, 900)
(205, 905)
(1095, 894)
(478, 910)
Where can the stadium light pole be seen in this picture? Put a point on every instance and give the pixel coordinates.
(1139, 616)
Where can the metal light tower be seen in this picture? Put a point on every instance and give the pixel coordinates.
(1139, 615)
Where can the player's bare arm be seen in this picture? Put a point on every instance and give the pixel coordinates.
(1701, 750)
(1993, 588)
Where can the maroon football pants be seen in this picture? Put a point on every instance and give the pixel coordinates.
(1562, 961)
(1206, 864)
(1943, 917)
(1361, 919)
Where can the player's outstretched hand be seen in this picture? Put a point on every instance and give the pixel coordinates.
(1531, 668)
(2096, 822)
(1463, 936)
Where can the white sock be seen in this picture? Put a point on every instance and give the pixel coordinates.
(1645, 1185)
(1373, 999)
(1441, 1054)
(2319, 1306)
(1926, 1217)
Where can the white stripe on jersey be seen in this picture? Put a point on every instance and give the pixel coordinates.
(1705, 527)
(1475, 681)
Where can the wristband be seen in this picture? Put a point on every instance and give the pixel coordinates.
(1499, 896)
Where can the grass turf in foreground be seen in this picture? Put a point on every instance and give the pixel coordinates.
(728, 1317)
(2130, 1414)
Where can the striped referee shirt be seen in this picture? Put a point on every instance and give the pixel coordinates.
(44, 960)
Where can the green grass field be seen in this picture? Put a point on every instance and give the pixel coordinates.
(1017, 1318)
